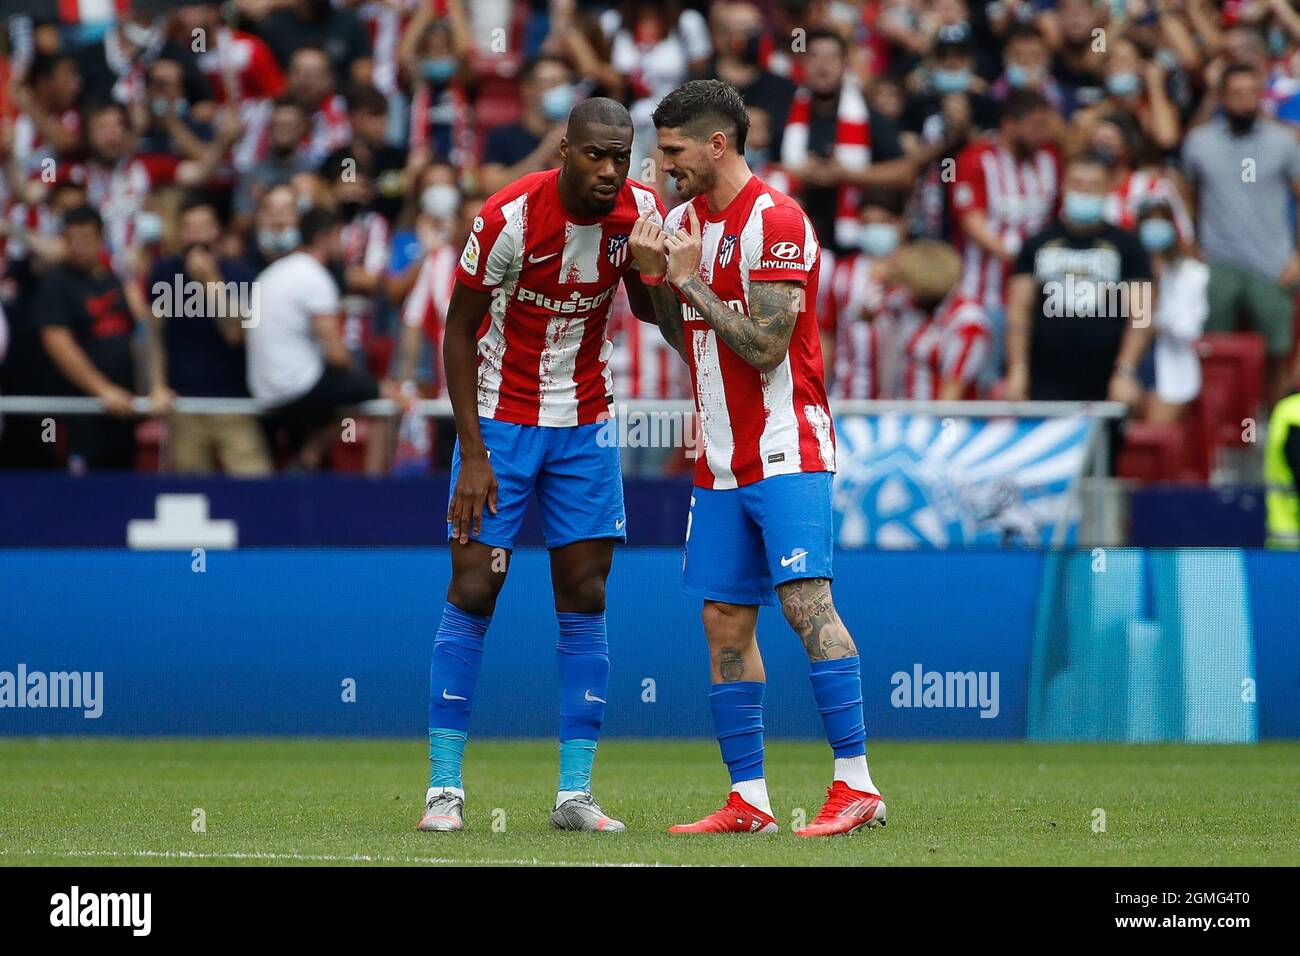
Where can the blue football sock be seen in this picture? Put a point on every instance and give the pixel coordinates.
(837, 688)
(576, 758)
(738, 720)
(457, 657)
(446, 753)
(584, 675)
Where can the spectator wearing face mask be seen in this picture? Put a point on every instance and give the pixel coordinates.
(546, 95)
(284, 158)
(296, 356)
(436, 216)
(115, 67)
(1134, 179)
(949, 108)
(1078, 301)
(1027, 66)
(1182, 306)
(424, 310)
(166, 125)
(435, 56)
(857, 344)
(1244, 223)
(1135, 87)
(275, 231)
(203, 348)
(739, 38)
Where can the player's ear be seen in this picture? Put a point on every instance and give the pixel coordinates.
(718, 144)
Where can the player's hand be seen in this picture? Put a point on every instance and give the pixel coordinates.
(684, 249)
(117, 400)
(476, 487)
(647, 242)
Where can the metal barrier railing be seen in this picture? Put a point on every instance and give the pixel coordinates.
(441, 407)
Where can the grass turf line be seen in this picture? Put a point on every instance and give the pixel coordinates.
(355, 802)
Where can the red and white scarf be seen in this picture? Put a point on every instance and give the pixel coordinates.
(852, 149)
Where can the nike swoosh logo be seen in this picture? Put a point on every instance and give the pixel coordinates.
(533, 260)
(591, 700)
(618, 525)
(447, 696)
(786, 562)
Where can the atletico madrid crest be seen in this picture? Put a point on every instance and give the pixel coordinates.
(616, 250)
(726, 250)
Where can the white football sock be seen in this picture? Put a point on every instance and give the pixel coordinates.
(568, 795)
(754, 792)
(854, 772)
(458, 791)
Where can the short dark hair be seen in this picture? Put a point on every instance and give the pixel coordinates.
(1021, 103)
(824, 34)
(1235, 69)
(365, 98)
(83, 216)
(698, 107)
(95, 107)
(196, 200)
(1023, 31)
(530, 67)
(288, 102)
(44, 65)
(1090, 158)
(891, 200)
(314, 223)
(598, 111)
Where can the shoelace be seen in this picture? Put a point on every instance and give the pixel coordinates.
(836, 800)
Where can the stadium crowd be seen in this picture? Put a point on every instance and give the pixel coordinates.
(955, 157)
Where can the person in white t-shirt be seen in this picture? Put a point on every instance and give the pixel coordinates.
(1181, 308)
(297, 359)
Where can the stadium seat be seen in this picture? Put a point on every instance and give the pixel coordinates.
(1233, 368)
(1152, 452)
(150, 435)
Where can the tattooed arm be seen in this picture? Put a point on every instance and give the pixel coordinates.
(658, 305)
(761, 338)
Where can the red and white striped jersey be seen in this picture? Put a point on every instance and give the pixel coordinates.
(364, 243)
(953, 344)
(30, 150)
(853, 319)
(426, 305)
(1124, 202)
(119, 194)
(240, 66)
(385, 21)
(643, 363)
(544, 354)
(1019, 198)
(756, 425)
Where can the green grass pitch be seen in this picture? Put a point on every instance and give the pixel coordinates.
(356, 802)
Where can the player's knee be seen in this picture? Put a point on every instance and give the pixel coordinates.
(581, 593)
(726, 623)
(475, 592)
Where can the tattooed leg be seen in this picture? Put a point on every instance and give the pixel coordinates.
(808, 606)
(733, 647)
